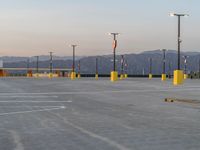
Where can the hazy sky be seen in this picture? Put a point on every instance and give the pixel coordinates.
(35, 27)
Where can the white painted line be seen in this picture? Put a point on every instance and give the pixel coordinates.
(28, 96)
(32, 111)
(93, 135)
(25, 106)
(35, 101)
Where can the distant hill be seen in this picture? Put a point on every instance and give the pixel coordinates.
(137, 63)
(8, 59)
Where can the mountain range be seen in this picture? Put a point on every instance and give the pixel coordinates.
(137, 63)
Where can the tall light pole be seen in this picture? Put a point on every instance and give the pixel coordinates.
(37, 66)
(28, 72)
(150, 68)
(126, 69)
(28, 60)
(114, 73)
(122, 67)
(164, 63)
(73, 74)
(169, 70)
(51, 65)
(79, 69)
(199, 67)
(185, 66)
(97, 71)
(178, 74)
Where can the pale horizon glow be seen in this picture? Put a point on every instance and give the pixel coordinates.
(30, 27)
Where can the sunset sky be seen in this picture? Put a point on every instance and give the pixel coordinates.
(35, 27)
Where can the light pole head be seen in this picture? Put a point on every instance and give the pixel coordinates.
(114, 34)
(172, 14)
(185, 57)
(73, 45)
(50, 53)
(178, 15)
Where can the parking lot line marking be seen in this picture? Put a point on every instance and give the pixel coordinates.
(92, 134)
(32, 111)
(35, 101)
(30, 106)
(28, 96)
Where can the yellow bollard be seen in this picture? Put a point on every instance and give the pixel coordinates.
(150, 76)
(114, 76)
(96, 76)
(125, 76)
(28, 75)
(121, 76)
(73, 75)
(164, 77)
(178, 77)
(79, 76)
(50, 75)
(185, 76)
(37, 75)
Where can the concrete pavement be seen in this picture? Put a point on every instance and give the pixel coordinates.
(86, 114)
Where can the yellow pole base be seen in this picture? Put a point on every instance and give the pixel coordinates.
(96, 76)
(164, 77)
(73, 75)
(125, 76)
(50, 75)
(150, 76)
(37, 75)
(79, 76)
(185, 76)
(114, 76)
(178, 77)
(121, 76)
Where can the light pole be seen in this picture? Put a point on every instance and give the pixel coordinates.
(79, 69)
(73, 74)
(126, 69)
(114, 73)
(164, 63)
(27, 72)
(37, 66)
(150, 68)
(97, 72)
(185, 66)
(51, 65)
(178, 74)
(199, 67)
(169, 70)
(122, 67)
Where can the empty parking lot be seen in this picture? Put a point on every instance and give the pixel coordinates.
(85, 114)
